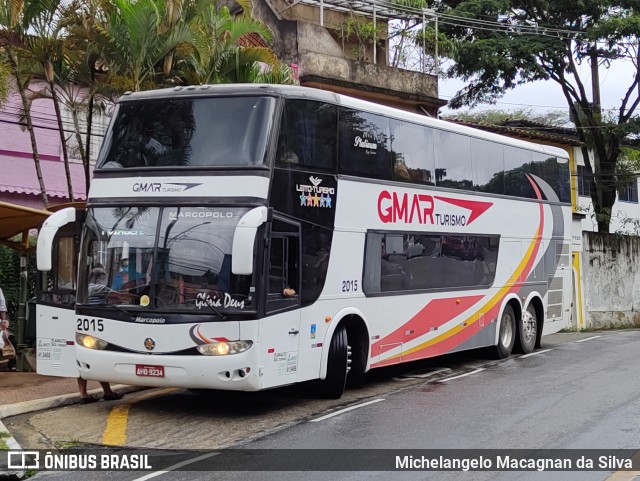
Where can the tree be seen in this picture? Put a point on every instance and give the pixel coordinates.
(85, 68)
(135, 39)
(500, 45)
(498, 117)
(44, 43)
(5, 75)
(220, 55)
(13, 26)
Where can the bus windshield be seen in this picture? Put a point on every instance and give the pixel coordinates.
(163, 258)
(190, 132)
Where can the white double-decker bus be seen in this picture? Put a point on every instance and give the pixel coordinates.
(245, 237)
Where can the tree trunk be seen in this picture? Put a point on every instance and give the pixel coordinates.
(63, 140)
(87, 146)
(78, 134)
(27, 112)
(603, 191)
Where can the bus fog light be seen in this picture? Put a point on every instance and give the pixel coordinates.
(90, 342)
(224, 348)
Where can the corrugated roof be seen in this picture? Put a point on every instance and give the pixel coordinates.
(19, 176)
(15, 219)
(527, 130)
(252, 40)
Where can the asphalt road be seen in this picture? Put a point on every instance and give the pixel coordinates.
(579, 392)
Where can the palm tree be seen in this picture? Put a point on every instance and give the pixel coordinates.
(12, 28)
(45, 44)
(86, 68)
(134, 40)
(5, 75)
(220, 55)
(278, 74)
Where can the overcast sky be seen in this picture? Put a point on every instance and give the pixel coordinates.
(545, 96)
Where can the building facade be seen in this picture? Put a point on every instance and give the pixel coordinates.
(18, 179)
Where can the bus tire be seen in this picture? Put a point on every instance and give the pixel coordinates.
(527, 331)
(507, 333)
(337, 365)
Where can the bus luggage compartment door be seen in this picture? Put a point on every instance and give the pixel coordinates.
(55, 333)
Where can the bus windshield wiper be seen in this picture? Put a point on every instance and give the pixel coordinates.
(113, 306)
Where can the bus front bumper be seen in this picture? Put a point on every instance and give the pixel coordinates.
(237, 372)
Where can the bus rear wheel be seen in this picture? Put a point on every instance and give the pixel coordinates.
(507, 333)
(528, 331)
(337, 365)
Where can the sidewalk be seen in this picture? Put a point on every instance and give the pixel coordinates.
(24, 392)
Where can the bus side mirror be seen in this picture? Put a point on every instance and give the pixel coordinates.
(244, 240)
(48, 233)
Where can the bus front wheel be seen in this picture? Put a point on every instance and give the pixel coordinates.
(337, 365)
(507, 333)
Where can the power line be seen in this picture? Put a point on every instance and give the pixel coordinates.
(4, 121)
(507, 26)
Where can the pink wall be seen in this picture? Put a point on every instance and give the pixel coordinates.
(19, 181)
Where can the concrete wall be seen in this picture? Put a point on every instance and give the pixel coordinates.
(322, 60)
(611, 280)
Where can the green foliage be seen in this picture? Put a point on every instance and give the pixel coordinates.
(359, 31)
(529, 40)
(418, 4)
(5, 73)
(10, 278)
(552, 118)
(278, 74)
(219, 55)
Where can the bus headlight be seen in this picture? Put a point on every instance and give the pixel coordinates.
(90, 342)
(224, 348)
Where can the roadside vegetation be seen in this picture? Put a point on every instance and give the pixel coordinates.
(83, 54)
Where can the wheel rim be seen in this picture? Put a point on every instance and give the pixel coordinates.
(529, 324)
(507, 330)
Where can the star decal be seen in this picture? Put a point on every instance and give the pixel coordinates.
(303, 199)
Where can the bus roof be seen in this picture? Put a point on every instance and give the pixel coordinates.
(338, 99)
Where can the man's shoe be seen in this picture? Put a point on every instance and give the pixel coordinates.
(114, 396)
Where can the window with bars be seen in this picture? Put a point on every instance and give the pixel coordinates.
(629, 192)
(584, 181)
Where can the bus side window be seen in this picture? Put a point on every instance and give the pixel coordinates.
(284, 271)
(308, 136)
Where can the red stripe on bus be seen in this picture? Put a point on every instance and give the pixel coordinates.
(433, 315)
(450, 343)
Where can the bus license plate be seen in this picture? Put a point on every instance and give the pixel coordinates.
(149, 371)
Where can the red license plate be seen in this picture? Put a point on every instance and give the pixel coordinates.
(149, 371)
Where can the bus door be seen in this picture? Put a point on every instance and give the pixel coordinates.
(55, 309)
(280, 330)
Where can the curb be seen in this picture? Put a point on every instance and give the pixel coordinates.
(13, 446)
(58, 401)
(27, 407)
